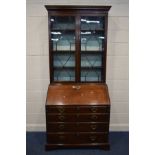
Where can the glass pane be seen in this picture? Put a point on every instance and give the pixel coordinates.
(88, 60)
(64, 60)
(92, 33)
(63, 41)
(64, 75)
(63, 47)
(63, 22)
(90, 75)
(63, 33)
(92, 40)
(92, 48)
(92, 23)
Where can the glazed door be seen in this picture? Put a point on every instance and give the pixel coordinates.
(63, 48)
(92, 31)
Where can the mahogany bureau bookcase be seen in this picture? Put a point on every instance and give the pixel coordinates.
(78, 103)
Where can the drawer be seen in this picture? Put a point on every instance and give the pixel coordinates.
(77, 127)
(93, 127)
(77, 109)
(61, 127)
(61, 109)
(95, 117)
(54, 138)
(77, 138)
(61, 118)
(93, 109)
(77, 117)
(93, 137)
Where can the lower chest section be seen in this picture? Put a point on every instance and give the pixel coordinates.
(87, 124)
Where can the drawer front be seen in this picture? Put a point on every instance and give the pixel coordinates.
(93, 118)
(93, 127)
(77, 109)
(61, 127)
(93, 138)
(54, 138)
(77, 117)
(61, 118)
(77, 138)
(93, 109)
(61, 109)
(77, 127)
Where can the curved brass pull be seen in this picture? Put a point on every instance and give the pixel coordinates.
(61, 117)
(61, 126)
(94, 109)
(76, 87)
(61, 109)
(92, 138)
(93, 127)
(94, 117)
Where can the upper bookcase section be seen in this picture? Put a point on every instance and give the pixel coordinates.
(77, 43)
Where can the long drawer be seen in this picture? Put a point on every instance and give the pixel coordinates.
(80, 138)
(75, 127)
(77, 109)
(95, 117)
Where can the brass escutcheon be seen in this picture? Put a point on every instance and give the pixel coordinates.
(76, 87)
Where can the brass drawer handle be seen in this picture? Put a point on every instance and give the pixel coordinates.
(61, 137)
(92, 138)
(93, 127)
(93, 109)
(61, 126)
(61, 109)
(94, 117)
(61, 117)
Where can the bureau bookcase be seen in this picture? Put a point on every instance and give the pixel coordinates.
(78, 103)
